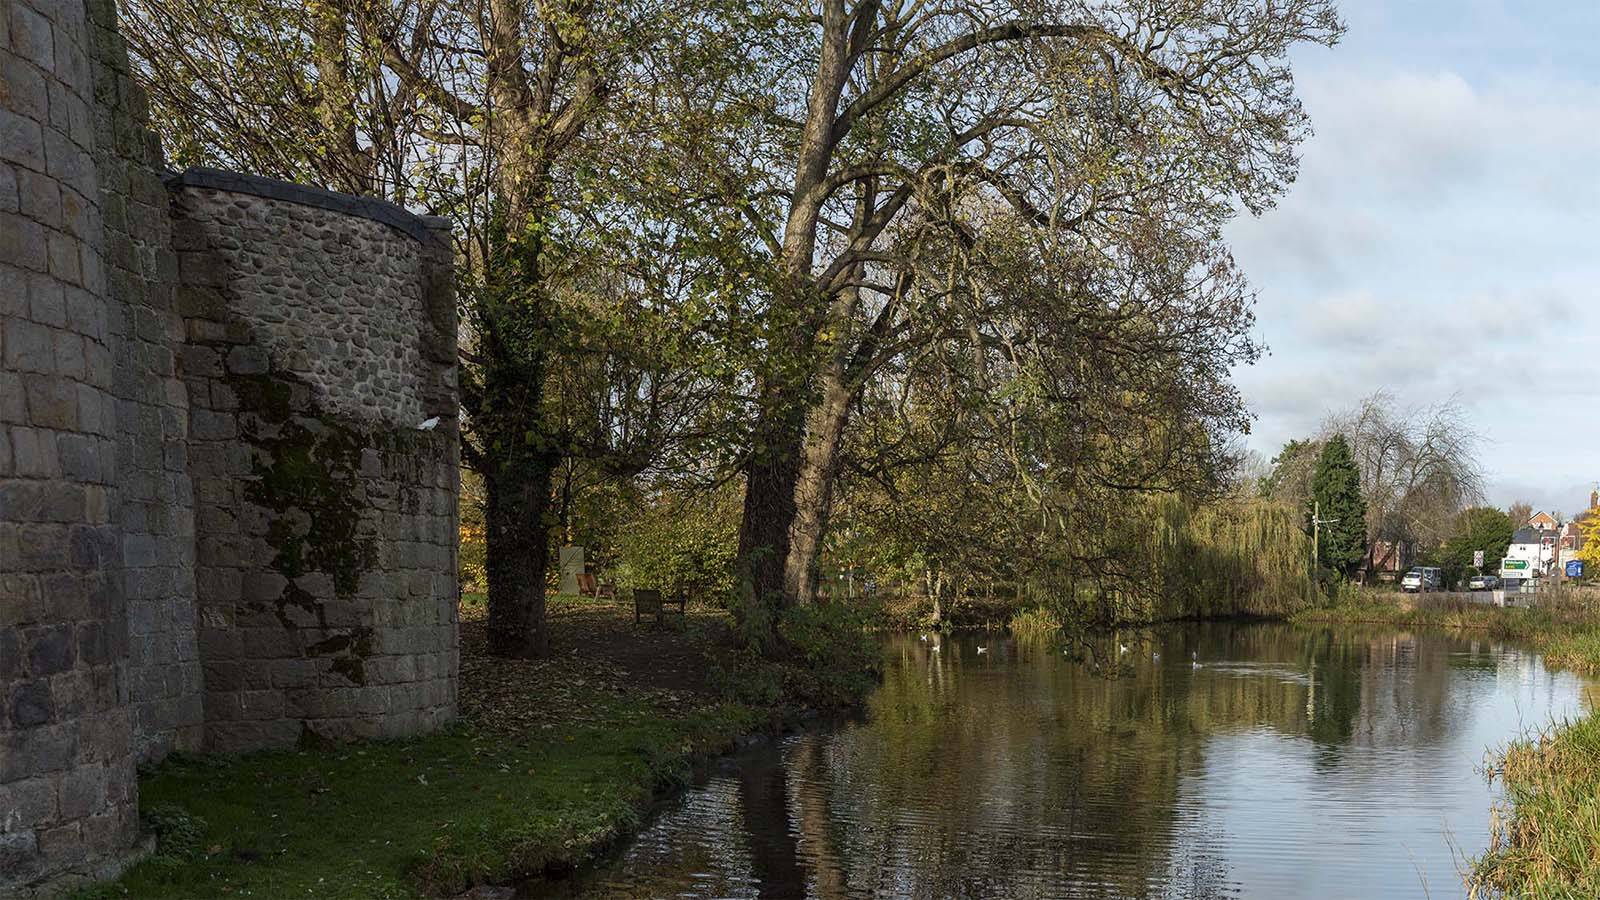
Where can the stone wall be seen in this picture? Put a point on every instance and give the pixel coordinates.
(155, 513)
(319, 339)
(66, 749)
(220, 526)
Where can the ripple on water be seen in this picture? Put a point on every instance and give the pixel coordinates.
(1294, 763)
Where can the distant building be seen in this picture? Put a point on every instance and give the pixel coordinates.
(1387, 559)
(1533, 545)
(1543, 521)
(1571, 536)
(1575, 527)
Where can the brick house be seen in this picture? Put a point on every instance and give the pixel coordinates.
(1386, 560)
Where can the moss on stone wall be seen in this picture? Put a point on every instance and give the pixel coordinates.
(308, 469)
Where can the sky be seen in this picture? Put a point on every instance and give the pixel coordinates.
(1442, 240)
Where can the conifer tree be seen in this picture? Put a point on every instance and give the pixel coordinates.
(1336, 493)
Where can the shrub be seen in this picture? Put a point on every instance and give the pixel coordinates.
(827, 660)
(474, 558)
(834, 661)
(681, 540)
(180, 837)
(1036, 622)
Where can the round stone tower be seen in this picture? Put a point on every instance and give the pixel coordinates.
(67, 804)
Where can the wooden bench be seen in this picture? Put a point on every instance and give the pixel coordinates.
(588, 586)
(648, 601)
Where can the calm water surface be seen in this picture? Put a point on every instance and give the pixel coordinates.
(1293, 762)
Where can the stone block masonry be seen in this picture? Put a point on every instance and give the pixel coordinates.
(318, 340)
(67, 801)
(220, 528)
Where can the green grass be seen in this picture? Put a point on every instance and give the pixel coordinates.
(1035, 623)
(554, 761)
(414, 818)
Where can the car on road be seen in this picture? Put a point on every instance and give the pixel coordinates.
(1422, 579)
(1482, 583)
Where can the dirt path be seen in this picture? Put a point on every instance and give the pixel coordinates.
(595, 646)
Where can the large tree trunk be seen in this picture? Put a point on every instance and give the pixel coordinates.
(336, 103)
(814, 486)
(768, 513)
(779, 440)
(521, 448)
(517, 502)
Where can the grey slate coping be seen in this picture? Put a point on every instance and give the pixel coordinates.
(418, 227)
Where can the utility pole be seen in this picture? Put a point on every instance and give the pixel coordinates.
(1317, 521)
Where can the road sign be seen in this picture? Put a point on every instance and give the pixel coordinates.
(1514, 564)
(1477, 558)
(1574, 568)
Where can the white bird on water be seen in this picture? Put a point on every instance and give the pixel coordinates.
(429, 424)
(1122, 648)
(1194, 659)
(983, 649)
(934, 648)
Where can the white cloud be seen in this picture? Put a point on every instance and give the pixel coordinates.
(1352, 319)
(1439, 243)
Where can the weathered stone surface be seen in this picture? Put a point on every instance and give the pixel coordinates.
(306, 371)
(218, 524)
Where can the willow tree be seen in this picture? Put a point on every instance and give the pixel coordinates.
(1085, 119)
(1023, 444)
(520, 121)
(1419, 468)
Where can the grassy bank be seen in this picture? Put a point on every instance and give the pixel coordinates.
(1545, 843)
(1545, 839)
(1563, 626)
(552, 762)
(414, 818)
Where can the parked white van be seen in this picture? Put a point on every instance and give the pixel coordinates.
(1422, 579)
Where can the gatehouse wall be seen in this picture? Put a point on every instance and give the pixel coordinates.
(221, 526)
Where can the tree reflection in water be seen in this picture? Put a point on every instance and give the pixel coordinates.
(1293, 762)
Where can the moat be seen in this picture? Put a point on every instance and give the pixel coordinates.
(1219, 761)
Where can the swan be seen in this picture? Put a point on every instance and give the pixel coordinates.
(983, 649)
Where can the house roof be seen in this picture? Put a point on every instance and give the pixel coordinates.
(1527, 534)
